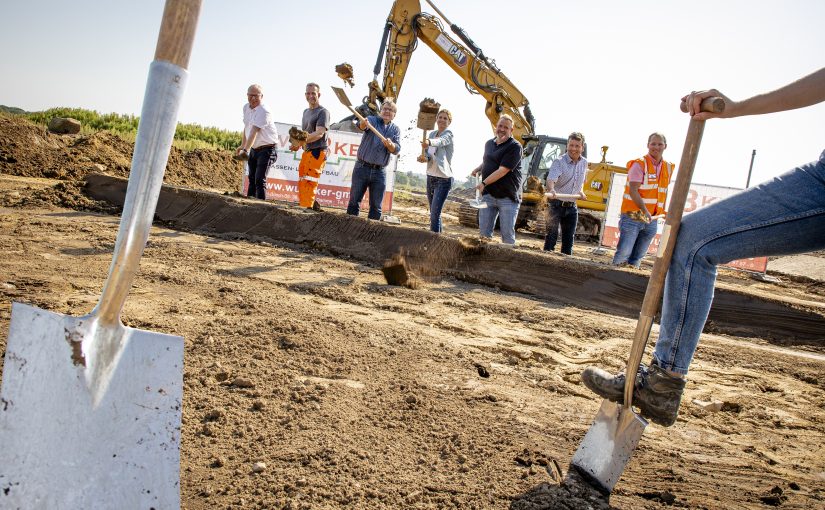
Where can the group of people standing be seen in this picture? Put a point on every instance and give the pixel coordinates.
(499, 172)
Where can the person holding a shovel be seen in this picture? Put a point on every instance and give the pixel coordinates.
(373, 156)
(439, 155)
(259, 141)
(644, 197)
(316, 123)
(783, 216)
(500, 184)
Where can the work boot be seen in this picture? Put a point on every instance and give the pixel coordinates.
(316, 206)
(657, 393)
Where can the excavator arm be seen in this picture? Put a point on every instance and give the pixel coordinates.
(406, 26)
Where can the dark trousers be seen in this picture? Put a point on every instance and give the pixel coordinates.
(566, 217)
(364, 178)
(259, 162)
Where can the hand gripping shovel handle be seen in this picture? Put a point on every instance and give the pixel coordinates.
(158, 119)
(655, 286)
(369, 125)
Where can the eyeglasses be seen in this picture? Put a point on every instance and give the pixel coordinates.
(253, 95)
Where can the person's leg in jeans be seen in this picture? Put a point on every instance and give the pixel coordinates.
(430, 189)
(377, 185)
(645, 235)
(760, 221)
(508, 211)
(569, 218)
(441, 188)
(781, 217)
(360, 181)
(553, 220)
(628, 232)
(487, 217)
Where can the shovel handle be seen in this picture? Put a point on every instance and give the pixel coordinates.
(709, 104)
(655, 286)
(563, 196)
(158, 120)
(370, 126)
(177, 31)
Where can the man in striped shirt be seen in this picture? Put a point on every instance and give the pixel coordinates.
(566, 177)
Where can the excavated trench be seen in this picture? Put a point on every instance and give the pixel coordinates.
(572, 281)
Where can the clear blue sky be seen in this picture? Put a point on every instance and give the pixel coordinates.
(613, 70)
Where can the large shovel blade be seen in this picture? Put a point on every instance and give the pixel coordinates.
(608, 445)
(342, 96)
(63, 450)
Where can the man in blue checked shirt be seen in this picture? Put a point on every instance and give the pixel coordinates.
(373, 156)
(566, 177)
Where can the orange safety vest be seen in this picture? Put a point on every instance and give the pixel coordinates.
(652, 190)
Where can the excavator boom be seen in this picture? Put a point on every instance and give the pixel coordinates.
(405, 27)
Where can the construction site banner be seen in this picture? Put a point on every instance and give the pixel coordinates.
(699, 196)
(334, 186)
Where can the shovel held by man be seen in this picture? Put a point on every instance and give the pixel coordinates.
(342, 97)
(90, 410)
(609, 443)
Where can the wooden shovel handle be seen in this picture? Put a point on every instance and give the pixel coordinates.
(177, 31)
(709, 104)
(369, 125)
(655, 286)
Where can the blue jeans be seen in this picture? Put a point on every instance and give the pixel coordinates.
(566, 217)
(363, 178)
(504, 207)
(780, 217)
(437, 190)
(634, 240)
(259, 162)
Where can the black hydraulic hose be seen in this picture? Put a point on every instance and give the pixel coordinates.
(377, 69)
(457, 30)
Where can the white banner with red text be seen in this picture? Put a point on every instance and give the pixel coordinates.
(335, 182)
(699, 196)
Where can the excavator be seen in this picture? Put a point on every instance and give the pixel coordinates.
(407, 25)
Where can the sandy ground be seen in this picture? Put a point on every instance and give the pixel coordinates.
(364, 395)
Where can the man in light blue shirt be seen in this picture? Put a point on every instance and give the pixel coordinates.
(566, 177)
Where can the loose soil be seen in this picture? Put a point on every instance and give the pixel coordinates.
(357, 394)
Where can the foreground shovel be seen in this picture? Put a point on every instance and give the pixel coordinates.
(617, 429)
(90, 410)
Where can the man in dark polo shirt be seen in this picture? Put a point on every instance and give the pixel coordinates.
(500, 184)
(373, 156)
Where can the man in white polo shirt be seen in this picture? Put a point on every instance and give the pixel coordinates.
(260, 141)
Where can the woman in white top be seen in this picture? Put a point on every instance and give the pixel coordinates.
(439, 155)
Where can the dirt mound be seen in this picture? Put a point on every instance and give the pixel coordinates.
(68, 194)
(29, 150)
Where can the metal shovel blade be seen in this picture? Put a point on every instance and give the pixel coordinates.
(608, 445)
(90, 410)
(478, 203)
(60, 450)
(342, 96)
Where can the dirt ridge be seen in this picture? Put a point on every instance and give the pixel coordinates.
(576, 282)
